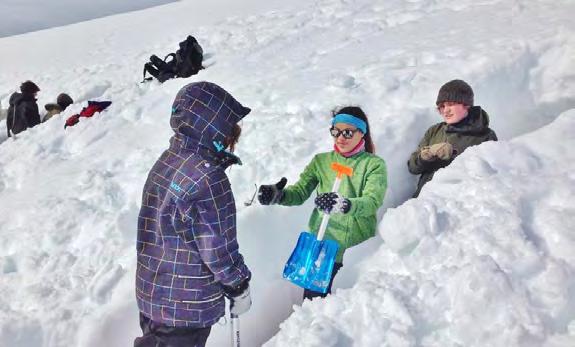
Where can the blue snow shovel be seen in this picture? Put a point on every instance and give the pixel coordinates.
(311, 262)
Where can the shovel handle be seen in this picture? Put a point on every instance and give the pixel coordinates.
(340, 170)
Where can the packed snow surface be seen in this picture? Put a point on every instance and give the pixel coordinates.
(484, 257)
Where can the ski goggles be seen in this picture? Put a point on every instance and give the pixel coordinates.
(347, 133)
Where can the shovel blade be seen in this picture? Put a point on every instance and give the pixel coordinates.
(311, 263)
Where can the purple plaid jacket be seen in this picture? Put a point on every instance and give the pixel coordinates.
(187, 247)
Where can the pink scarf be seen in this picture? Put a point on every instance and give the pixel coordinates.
(357, 149)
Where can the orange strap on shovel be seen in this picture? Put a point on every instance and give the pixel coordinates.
(340, 170)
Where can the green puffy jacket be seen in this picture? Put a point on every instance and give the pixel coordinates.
(472, 130)
(365, 189)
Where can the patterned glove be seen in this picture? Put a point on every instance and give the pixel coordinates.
(331, 203)
(442, 150)
(272, 193)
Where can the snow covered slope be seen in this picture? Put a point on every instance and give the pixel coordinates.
(481, 258)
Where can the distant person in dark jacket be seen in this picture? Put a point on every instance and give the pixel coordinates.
(464, 125)
(62, 102)
(23, 110)
(188, 254)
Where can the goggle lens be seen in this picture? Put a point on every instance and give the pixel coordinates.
(347, 133)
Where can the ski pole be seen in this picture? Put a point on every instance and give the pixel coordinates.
(235, 330)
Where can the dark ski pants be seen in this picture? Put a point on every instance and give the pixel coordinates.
(310, 294)
(159, 335)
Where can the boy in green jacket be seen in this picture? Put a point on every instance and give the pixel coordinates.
(463, 126)
(354, 207)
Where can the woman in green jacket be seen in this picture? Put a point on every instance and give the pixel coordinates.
(354, 207)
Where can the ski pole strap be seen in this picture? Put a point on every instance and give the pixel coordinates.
(173, 55)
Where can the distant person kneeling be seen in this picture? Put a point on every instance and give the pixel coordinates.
(62, 102)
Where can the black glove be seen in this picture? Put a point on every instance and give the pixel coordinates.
(332, 203)
(241, 304)
(272, 193)
(240, 299)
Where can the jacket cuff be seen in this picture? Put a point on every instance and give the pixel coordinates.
(281, 197)
(431, 165)
(232, 292)
(354, 207)
(422, 162)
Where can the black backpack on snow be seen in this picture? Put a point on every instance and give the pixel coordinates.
(187, 61)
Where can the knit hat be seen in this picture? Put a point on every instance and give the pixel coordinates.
(64, 100)
(29, 87)
(455, 91)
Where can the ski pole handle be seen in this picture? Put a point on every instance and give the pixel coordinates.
(340, 171)
(235, 330)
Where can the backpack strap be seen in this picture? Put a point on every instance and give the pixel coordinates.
(173, 55)
(144, 74)
(144, 80)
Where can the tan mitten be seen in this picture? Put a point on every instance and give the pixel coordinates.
(425, 153)
(442, 150)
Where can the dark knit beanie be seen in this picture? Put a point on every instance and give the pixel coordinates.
(29, 87)
(455, 91)
(64, 100)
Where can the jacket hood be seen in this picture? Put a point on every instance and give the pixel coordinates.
(203, 115)
(476, 123)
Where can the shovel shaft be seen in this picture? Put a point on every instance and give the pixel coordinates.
(325, 219)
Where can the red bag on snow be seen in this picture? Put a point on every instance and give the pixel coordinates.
(93, 107)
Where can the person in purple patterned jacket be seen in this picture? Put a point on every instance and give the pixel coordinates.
(188, 257)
